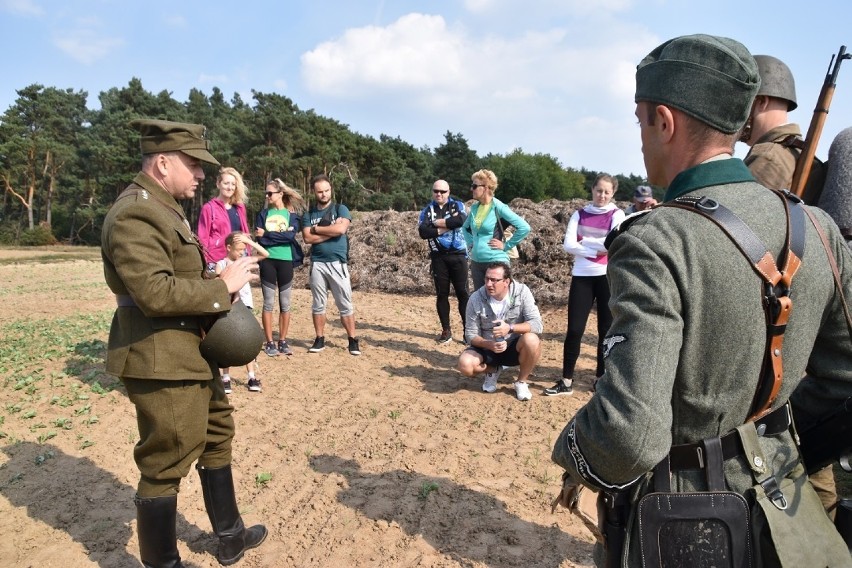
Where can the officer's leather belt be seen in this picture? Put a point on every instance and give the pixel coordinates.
(125, 301)
(691, 456)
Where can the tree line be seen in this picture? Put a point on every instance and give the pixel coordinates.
(62, 164)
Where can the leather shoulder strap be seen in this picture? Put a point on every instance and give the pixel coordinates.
(777, 281)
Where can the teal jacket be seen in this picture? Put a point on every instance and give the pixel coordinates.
(477, 238)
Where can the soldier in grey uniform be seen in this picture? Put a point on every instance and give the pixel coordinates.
(688, 338)
(155, 264)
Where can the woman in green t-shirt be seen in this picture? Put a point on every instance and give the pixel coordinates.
(276, 229)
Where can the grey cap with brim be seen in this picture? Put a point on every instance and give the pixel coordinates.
(713, 79)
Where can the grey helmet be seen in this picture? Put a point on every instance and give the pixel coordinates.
(234, 339)
(776, 80)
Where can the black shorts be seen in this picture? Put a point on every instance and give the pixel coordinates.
(508, 358)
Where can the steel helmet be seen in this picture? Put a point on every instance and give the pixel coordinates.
(776, 80)
(234, 339)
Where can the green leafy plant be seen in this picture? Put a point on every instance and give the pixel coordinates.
(46, 436)
(262, 478)
(426, 488)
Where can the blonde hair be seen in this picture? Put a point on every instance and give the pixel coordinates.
(241, 191)
(486, 178)
(292, 199)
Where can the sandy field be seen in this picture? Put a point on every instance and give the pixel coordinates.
(387, 459)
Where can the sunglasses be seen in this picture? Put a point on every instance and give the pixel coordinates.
(271, 193)
(475, 185)
(439, 191)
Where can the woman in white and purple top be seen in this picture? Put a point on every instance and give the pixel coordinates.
(584, 238)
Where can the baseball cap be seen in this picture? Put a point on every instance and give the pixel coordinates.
(643, 193)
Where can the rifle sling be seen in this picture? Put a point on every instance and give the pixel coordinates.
(777, 304)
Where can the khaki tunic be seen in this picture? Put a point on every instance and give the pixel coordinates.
(771, 163)
(150, 254)
(688, 338)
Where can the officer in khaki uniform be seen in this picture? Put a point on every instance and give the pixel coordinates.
(154, 264)
(688, 337)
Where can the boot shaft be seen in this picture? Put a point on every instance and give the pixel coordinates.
(155, 525)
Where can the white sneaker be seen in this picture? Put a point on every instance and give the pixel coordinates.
(522, 390)
(490, 384)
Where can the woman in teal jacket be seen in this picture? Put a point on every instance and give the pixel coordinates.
(483, 228)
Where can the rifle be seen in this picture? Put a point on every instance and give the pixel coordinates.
(803, 164)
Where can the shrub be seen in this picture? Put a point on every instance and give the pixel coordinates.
(38, 236)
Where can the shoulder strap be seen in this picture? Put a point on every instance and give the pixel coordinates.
(777, 303)
(835, 272)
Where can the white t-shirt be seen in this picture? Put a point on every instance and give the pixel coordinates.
(245, 291)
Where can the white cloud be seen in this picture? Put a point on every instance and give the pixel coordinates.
(415, 52)
(86, 46)
(550, 82)
(22, 7)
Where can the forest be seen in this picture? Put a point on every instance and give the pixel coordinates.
(63, 164)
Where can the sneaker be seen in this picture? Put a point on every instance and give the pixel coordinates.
(254, 385)
(226, 382)
(353, 346)
(490, 384)
(283, 348)
(446, 336)
(559, 388)
(522, 390)
(319, 345)
(270, 349)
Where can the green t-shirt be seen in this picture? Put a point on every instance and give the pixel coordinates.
(278, 220)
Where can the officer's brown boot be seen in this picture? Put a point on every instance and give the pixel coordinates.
(234, 538)
(155, 524)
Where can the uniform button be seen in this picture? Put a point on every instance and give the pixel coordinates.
(216, 305)
(758, 461)
(183, 323)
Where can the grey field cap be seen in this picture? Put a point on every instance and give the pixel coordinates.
(713, 79)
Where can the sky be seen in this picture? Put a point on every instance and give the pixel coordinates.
(546, 76)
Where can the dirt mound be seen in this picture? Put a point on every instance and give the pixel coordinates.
(387, 254)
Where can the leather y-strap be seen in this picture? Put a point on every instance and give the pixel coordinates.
(777, 303)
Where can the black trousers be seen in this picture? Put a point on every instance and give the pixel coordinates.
(585, 290)
(450, 269)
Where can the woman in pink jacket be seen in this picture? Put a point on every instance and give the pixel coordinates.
(223, 215)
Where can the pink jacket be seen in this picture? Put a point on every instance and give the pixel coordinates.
(214, 225)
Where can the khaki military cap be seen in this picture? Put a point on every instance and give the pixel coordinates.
(166, 136)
